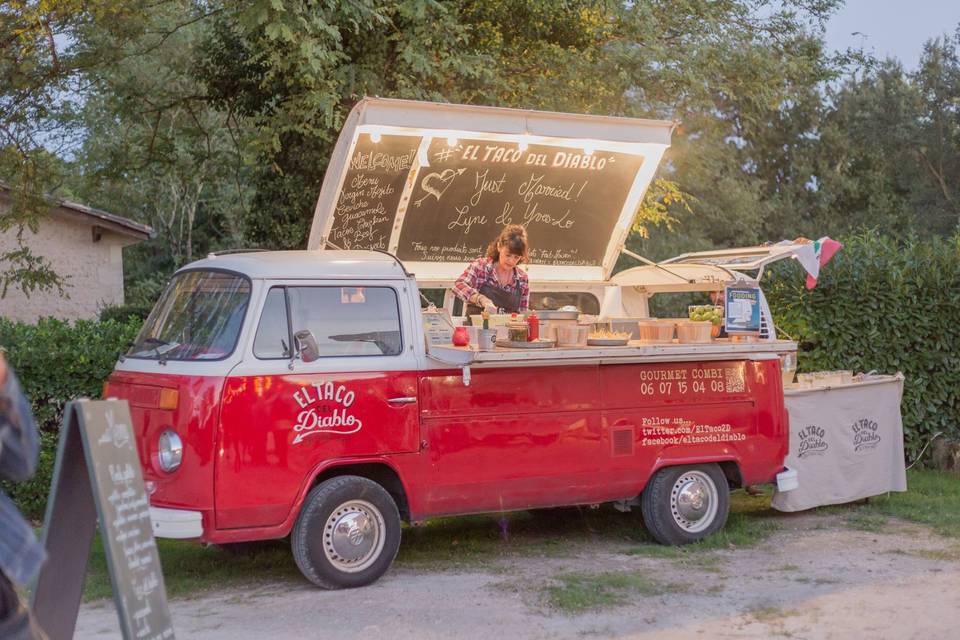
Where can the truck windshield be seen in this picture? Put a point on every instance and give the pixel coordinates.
(198, 317)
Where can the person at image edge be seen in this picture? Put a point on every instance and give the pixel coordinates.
(20, 553)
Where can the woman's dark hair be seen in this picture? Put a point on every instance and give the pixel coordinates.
(514, 238)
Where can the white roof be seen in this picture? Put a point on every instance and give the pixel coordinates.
(305, 264)
(435, 183)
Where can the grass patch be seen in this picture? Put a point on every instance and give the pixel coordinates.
(750, 522)
(872, 522)
(190, 568)
(785, 567)
(951, 554)
(488, 540)
(472, 542)
(933, 499)
(768, 614)
(578, 592)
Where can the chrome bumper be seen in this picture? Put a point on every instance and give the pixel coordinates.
(175, 523)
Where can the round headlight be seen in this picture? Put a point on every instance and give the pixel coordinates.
(171, 450)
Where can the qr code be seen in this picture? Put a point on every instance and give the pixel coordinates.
(734, 380)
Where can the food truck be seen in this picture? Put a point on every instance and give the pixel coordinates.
(313, 394)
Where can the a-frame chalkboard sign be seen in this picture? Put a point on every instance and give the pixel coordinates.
(97, 477)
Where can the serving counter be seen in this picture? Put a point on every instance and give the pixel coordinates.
(634, 351)
(846, 442)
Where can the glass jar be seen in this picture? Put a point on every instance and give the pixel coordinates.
(788, 366)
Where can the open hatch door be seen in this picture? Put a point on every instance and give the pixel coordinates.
(708, 270)
(434, 184)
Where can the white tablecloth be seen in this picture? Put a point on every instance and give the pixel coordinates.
(846, 443)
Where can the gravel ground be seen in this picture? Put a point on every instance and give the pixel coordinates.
(814, 578)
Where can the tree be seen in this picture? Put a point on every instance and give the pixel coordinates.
(155, 146)
(294, 70)
(43, 54)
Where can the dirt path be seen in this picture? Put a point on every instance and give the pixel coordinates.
(815, 578)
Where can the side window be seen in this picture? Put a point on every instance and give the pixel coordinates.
(272, 339)
(348, 321)
(585, 302)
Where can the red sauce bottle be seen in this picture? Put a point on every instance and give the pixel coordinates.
(533, 326)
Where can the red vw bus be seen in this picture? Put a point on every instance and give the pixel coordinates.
(301, 394)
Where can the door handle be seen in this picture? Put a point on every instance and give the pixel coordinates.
(397, 402)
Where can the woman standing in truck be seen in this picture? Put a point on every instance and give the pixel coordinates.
(493, 281)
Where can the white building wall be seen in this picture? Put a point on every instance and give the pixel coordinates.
(93, 270)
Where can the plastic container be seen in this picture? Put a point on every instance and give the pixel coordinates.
(486, 339)
(573, 335)
(548, 326)
(655, 331)
(694, 331)
(517, 331)
(496, 320)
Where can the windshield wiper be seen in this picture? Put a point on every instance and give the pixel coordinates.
(157, 343)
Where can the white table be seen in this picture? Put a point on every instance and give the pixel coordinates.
(846, 443)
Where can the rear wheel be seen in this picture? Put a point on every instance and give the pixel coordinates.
(686, 503)
(348, 533)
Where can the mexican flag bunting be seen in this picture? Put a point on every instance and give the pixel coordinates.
(823, 250)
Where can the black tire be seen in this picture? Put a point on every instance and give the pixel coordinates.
(340, 517)
(684, 504)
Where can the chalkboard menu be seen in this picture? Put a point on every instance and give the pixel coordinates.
(371, 190)
(440, 199)
(97, 477)
(568, 201)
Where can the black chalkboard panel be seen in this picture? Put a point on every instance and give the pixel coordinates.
(97, 476)
(568, 200)
(371, 190)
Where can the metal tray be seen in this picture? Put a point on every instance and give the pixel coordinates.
(558, 315)
(536, 344)
(607, 342)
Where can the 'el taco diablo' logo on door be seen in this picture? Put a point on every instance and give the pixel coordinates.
(865, 436)
(324, 410)
(812, 441)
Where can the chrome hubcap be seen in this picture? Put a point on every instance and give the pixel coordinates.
(353, 536)
(693, 501)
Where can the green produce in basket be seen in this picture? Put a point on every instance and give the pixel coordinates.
(702, 313)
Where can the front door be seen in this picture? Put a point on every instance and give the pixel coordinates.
(356, 398)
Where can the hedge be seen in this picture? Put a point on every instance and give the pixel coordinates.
(885, 306)
(57, 361)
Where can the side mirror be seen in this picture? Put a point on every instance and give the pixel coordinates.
(306, 345)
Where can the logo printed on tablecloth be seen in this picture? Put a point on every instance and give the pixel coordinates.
(812, 442)
(865, 436)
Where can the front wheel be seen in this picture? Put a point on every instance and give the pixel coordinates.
(347, 534)
(684, 504)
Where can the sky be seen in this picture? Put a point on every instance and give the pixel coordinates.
(896, 28)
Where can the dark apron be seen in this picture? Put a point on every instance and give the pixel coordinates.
(506, 300)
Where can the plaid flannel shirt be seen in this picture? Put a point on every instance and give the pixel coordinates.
(20, 553)
(482, 271)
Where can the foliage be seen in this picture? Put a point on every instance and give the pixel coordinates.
(124, 313)
(44, 52)
(293, 71)
(56, 361)
(886, 306)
